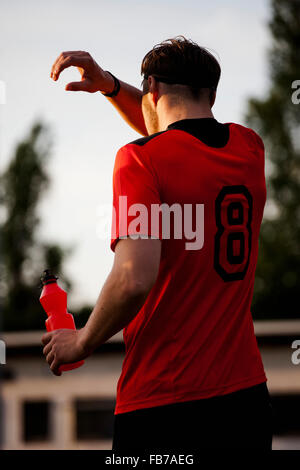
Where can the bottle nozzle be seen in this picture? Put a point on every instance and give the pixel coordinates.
(48, 277)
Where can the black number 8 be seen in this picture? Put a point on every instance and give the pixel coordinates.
(233, 211)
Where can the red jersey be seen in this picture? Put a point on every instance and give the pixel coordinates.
(194, 337)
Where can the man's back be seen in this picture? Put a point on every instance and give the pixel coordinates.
(194, 336)
(192, 377)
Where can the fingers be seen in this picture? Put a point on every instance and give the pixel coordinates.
(47, 348)
(50, 357)
(55, 367)
(49, 352)
(46, 338)
(78, 86)
(53, 362)
(68, 59)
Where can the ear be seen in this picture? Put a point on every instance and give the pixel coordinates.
(153, 89)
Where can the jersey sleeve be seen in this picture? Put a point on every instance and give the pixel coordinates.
(257, 142)
(135, 191)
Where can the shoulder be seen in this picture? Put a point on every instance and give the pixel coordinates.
(139, 150)
(252, 136)
(145, 140)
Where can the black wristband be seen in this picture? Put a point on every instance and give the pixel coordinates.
(116, 87)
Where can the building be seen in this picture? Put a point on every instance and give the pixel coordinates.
(75, 411)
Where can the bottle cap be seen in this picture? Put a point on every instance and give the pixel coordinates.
(48, 277)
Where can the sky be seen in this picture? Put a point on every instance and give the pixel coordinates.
(86, 130)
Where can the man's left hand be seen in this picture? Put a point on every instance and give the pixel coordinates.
(62, 347)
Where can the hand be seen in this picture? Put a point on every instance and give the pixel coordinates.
(62, 347)
(93, 77)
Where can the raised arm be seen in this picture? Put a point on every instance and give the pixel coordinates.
(95, 79)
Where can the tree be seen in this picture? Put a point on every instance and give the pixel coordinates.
(23, 258)
(277, 120)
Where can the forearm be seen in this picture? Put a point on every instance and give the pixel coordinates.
(114, 309)
(128, 104)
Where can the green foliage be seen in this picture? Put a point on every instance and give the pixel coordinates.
(277, 120)
(23, 258)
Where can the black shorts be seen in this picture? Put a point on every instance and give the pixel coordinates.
(239, 420)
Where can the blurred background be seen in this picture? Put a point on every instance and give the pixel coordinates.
(57, 152)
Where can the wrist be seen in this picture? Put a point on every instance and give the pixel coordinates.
(108, 85)
(84, 343)
(116, 87)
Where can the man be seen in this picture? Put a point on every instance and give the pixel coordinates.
(192, 376)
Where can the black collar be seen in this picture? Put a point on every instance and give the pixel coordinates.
(183, 123)
(208, 130)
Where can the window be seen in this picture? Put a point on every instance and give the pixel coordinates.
(286, 412)
(94, 418)
(36, 418)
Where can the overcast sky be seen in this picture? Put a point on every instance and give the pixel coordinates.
(87, 131)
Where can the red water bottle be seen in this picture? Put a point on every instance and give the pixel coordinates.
(54, 301)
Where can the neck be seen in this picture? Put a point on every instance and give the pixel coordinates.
(169, 113)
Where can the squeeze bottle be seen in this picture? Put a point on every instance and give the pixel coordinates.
(54, 301)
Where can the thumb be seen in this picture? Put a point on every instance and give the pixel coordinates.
(77, 86)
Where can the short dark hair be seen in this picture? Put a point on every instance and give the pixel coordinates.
(182, 61)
